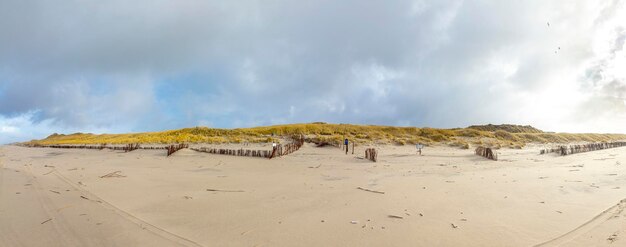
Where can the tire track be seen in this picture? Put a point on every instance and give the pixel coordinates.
(587, 226)
(137, 221)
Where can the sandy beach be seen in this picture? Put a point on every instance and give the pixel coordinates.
(313, 197)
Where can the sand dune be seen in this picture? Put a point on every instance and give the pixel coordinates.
(314, 197)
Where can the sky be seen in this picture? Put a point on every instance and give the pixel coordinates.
(148, 65)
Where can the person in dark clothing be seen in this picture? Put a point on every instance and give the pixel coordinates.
(345, 143)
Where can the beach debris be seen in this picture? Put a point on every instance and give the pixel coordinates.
(543, 177)
(187, 197)
(368, 190)
(73, 169)
(17, 193)
(115, 174)
(559, 212)
(216, 190)
(395, 216)
(55, 192)
(487, 153)
(318, 166)
(322, 221)
(45, 221)
(463, 219)
(453, 225)
(354, 222)
(421, 215)
(47, 166)
(612, 238)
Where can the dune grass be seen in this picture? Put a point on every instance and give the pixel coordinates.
(492, 135)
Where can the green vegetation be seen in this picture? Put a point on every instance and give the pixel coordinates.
(511, 128)
(512, 136)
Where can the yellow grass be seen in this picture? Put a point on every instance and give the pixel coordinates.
(491, 135)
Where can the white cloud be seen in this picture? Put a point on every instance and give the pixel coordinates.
(150, 65)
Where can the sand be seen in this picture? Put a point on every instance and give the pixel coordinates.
(313, 197)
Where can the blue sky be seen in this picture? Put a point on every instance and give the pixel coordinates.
(119, 66)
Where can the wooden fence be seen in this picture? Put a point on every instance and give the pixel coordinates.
(171, 149)
(371, 154)
(279, 150)
(125, 148)
(487, 153)
(235, 152)
(581, 148)
(288, 148)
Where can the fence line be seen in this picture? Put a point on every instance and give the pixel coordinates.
(234, 152)
(581, 148)
(171, 149)
(279, 150)
(282, 150)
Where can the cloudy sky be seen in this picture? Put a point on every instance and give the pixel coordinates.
(146, 65)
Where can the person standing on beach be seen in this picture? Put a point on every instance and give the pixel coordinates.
(419, 148)
(345, 143)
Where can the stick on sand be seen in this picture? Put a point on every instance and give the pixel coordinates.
(115, 174)
(373, 191)
(215, 190)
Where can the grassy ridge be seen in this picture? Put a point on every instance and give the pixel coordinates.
(491, 135)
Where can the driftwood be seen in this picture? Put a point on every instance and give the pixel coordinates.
(368, 190)
(487, 153)
(115, 174)
(371, 154)
(581, 148)
(216, 190)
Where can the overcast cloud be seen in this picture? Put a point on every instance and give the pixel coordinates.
(120, 66)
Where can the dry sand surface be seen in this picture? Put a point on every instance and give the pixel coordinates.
(447, 197)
